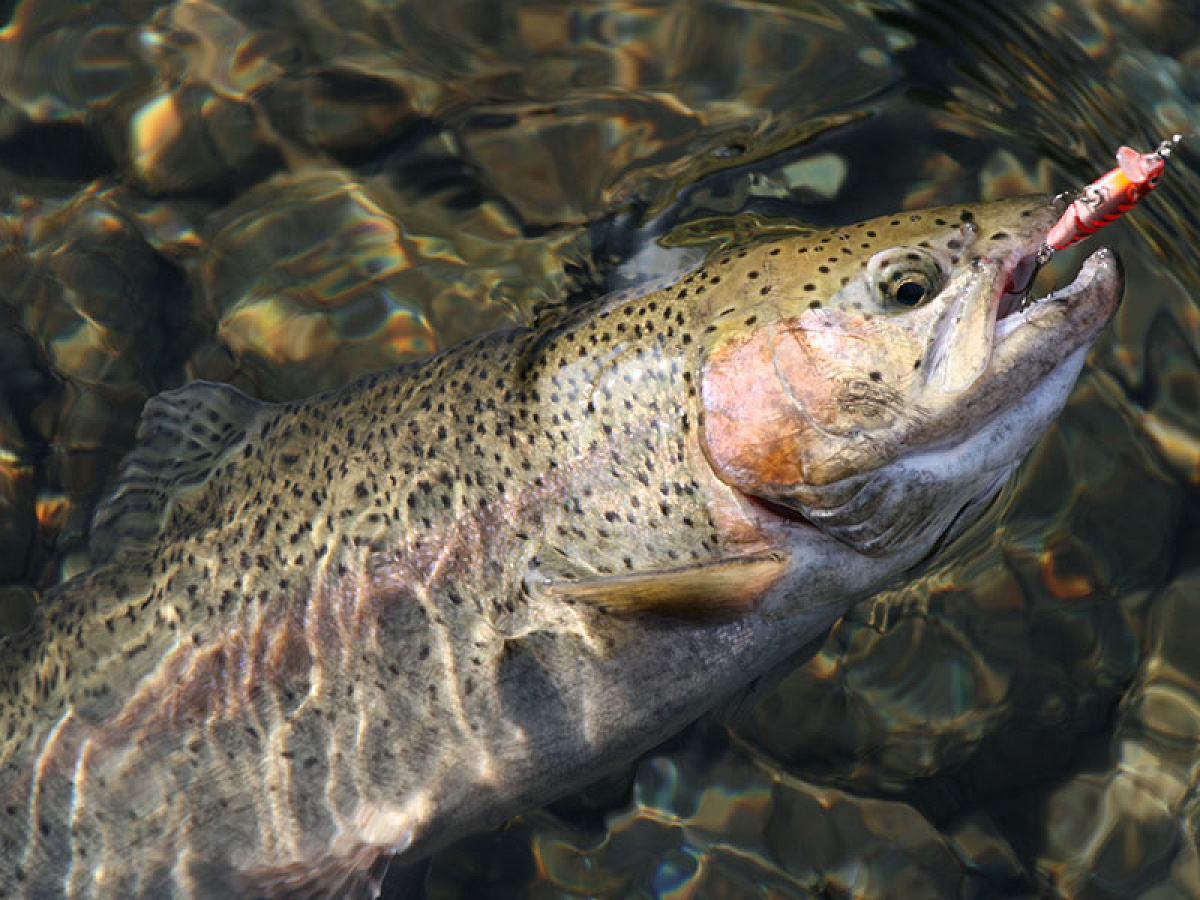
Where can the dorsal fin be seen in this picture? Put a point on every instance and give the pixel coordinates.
(182, 435)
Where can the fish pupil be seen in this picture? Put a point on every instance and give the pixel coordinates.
(909, 293)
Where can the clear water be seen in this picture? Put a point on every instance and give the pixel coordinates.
(286, 196)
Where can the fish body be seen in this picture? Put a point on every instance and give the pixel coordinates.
(366, 623)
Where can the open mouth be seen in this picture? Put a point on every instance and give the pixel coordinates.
(1031, 287)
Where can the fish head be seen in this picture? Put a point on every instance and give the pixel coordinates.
(879, 381)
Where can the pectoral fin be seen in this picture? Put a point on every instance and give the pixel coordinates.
(720, 590)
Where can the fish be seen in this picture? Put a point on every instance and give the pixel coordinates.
(326, 634)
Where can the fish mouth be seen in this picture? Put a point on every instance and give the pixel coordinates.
(1089, 298)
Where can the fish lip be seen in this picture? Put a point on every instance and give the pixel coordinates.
(1097, 285)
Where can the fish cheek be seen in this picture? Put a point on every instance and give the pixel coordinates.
(806, 402)
(814, 361)
(855, 381)
(752, 432)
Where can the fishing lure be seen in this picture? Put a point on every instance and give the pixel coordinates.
(1108, 197)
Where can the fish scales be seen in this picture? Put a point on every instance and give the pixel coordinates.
(368, 622)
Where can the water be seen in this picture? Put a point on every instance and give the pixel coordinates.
(284, 201)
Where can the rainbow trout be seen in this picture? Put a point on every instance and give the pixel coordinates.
(358, 626)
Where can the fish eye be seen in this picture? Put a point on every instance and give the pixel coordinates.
(906, 278)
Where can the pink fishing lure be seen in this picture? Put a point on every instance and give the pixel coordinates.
(1110, 196)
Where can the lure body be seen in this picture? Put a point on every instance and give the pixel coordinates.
(1110, 196)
